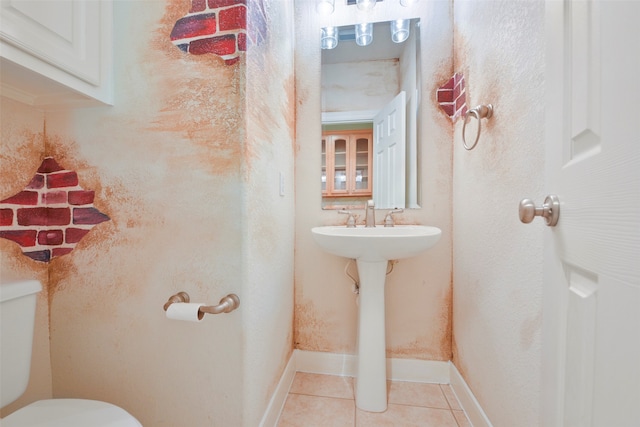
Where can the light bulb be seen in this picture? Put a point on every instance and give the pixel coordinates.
(329, 37)
(365, 4)
(325, 7)
(364, 34)
(400, 30)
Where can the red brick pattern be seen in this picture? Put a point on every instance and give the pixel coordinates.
(23, 198)
(452, 97)
(216, 4)
(36, 183)
(62, 179)
(43, 216)
(198, 6)
(50, 216)
(21, 237)
(194, 25)
(82, 197)
(6, 217)
(220, 27)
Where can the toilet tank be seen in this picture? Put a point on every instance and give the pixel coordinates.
(17, 319)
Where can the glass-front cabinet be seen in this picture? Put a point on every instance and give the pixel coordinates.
(346, 163)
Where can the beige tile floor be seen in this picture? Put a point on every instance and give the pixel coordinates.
(328, 401)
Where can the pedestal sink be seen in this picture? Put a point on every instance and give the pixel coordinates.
(372, 248)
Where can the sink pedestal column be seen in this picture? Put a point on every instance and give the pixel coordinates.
(371, 379)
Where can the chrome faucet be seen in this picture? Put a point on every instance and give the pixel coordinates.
(388, 219)
(370, 218)
(351, 221)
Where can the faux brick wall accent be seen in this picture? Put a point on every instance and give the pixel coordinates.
(452, 97)
(220, 27)
(51, 215)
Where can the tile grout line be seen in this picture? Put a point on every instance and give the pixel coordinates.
(319, 395)
(446, 398)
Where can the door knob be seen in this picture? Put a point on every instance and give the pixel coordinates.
(550, 210)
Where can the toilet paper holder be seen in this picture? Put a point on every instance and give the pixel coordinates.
(226, 304)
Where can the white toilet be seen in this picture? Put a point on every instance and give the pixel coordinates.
(17, 317)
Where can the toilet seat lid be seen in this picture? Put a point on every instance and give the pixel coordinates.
(70, 413)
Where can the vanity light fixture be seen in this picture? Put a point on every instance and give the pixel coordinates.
(325, 7)
(364, 34)
(400, 30)
(329, 37)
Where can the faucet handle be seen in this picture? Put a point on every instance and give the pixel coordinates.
(351, 220)
(388, 219)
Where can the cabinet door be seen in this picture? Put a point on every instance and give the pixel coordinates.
(325, 176)
(65, 41)
(361, 172)
(341, 168)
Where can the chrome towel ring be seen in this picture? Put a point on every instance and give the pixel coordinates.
(479, 112)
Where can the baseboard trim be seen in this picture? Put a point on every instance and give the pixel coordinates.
(467, 400)
(274, 409)
(412, 370)
(317, 362)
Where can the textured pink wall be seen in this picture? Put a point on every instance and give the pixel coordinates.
(22, 143)
(173, 163)
(497, 260)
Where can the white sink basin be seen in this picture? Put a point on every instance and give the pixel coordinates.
(372, 249)
(376, 243)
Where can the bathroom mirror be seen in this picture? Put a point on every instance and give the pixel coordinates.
(370, 110)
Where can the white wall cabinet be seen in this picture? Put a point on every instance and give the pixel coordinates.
(57, 53)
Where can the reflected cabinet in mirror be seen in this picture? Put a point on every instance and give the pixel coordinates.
(370, 111)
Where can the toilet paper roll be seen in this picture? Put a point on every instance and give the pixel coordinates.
(188, 311)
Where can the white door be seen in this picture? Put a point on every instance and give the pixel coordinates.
(389, 148)
(591, 311)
